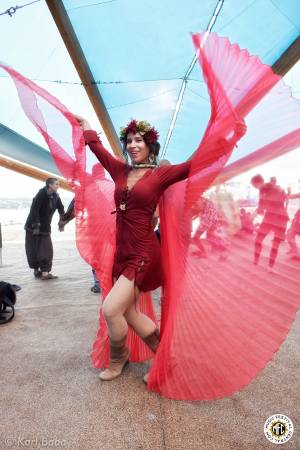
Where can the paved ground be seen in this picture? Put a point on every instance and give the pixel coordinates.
(48, 389)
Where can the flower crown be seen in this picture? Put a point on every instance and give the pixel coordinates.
(150, 134)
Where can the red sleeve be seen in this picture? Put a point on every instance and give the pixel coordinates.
(113, 165)
(173, 173)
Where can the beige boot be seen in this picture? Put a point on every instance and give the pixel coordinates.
(119, 357)
(153, 342)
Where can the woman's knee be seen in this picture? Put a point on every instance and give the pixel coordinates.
(110, 311)
(120, 298)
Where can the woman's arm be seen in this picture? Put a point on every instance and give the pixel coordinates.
(291, 196)
(172, 173)
(68, 216)
(222, 147)
(108, 161)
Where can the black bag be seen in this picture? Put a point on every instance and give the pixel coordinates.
(7, 300)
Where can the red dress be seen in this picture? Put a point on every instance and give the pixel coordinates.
(138, 255)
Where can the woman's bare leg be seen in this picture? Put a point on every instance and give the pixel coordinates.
(143, 326)
(117, 302)
(141, 323)
(119, 310)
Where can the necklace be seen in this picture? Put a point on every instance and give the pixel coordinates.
(144, 166)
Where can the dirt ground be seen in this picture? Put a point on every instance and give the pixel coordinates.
(51, 397)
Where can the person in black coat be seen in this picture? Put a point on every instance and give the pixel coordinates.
(38, 244)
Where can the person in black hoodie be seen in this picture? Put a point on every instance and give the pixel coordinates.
(38, 244)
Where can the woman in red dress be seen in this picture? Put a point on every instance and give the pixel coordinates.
(137, 262)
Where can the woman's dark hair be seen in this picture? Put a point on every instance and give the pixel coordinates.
(153, 149)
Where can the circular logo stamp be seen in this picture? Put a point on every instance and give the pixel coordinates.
(278, 429)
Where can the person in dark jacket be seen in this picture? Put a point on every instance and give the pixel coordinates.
(38, 244)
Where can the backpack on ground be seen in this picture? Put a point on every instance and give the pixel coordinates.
(7, 302)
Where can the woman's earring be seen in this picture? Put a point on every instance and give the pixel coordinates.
(151, 159)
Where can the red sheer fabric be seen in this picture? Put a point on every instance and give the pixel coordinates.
(94, 202)
(220, 325)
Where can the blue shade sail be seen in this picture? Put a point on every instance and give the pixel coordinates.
(139, 51)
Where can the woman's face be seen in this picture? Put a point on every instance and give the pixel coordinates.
(54, 186)
(137, 148)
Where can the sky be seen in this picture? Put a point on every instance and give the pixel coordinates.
(32, 31)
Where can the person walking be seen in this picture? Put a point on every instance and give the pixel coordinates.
(38, 244)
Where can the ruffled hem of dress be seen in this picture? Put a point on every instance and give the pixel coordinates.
(139, 275)
(129, 273)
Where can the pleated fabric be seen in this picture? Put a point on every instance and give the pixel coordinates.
(221, 322)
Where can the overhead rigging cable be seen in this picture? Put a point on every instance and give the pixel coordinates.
(92, 4)
(13, 9)
(185, 80)
(79, 83)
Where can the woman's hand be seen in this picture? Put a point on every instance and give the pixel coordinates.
(61, 225)
(236, 134)
(83, 123)
(240, 128)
